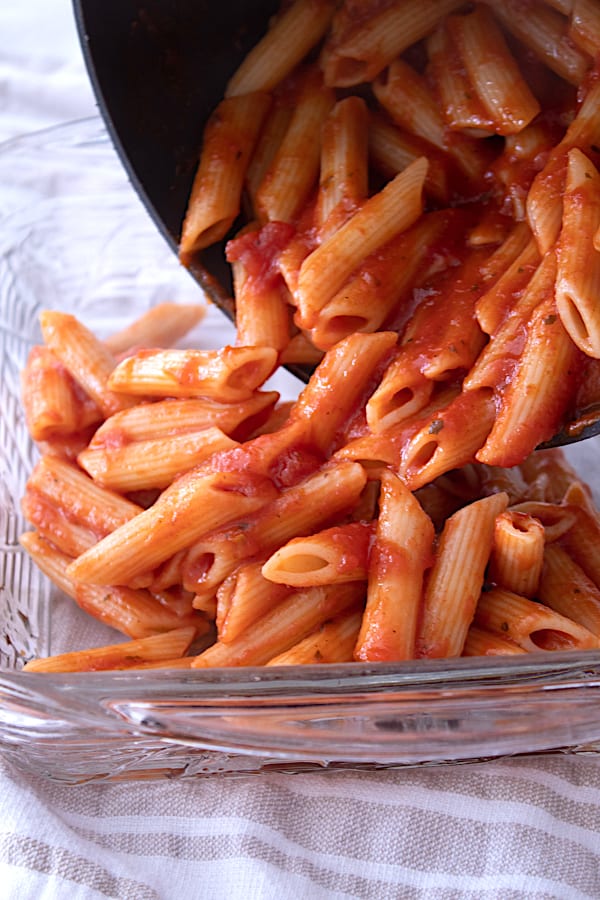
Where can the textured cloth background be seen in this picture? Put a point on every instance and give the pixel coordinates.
(498, 831)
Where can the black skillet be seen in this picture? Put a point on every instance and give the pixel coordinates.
(158, 68)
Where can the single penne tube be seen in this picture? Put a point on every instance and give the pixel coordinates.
(162, 325)
(196, 503)
(273, 131)
(401, 552)
(565, 587)
(285, 44)
(294, 169)
(152, 464)
(244, 598)
(117, 656)
(381, 284)
(332, 642)
(492, 71)
(289, 622)
(52, 402)
(262, 307)
(531, 625)
(544, 31)
(162, 418)
(578, 274)
(298, 510)
(391, 151)
(449, 438)
(228, 375)
(584, 25)
(518, 553)
(383, 216)
(343, 180)
(87, 359)
(365, 46)
(533, 404)
(544, 198)
(136, 613)
(335, 555)
(498, 300)
(456, 579)
(482, 642)
(215, 200)
(78, 498)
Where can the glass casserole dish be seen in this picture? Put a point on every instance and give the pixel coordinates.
(76, 238)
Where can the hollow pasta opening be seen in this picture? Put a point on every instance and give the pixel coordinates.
(424, 454)
(303, 562)
(552, 639)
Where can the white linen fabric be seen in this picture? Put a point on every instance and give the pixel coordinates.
(526, 828)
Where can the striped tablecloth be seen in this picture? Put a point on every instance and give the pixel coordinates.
(518, 829)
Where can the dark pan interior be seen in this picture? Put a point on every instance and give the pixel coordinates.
(158, 69)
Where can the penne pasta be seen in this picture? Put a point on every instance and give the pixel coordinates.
(293, 619)
(546, 33)
(298, 510)
(86, 358)
(152, 464)
(162, 325)
(344, 177)
(192, 505)
(52, 401)
(333, 556)
(136, 613)
(333, 642)
(578, 275)
(243, 598)
(566, 588)
(150, 421)
(117, 656)
(401, 553)
(456, 579)
(364, 46)
(229, 375)
(533, 404)
(294, 169)
(531, 625)
(287, 41)
(517, 555)
(228, 142)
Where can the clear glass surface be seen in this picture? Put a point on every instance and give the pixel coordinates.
(75, 237)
